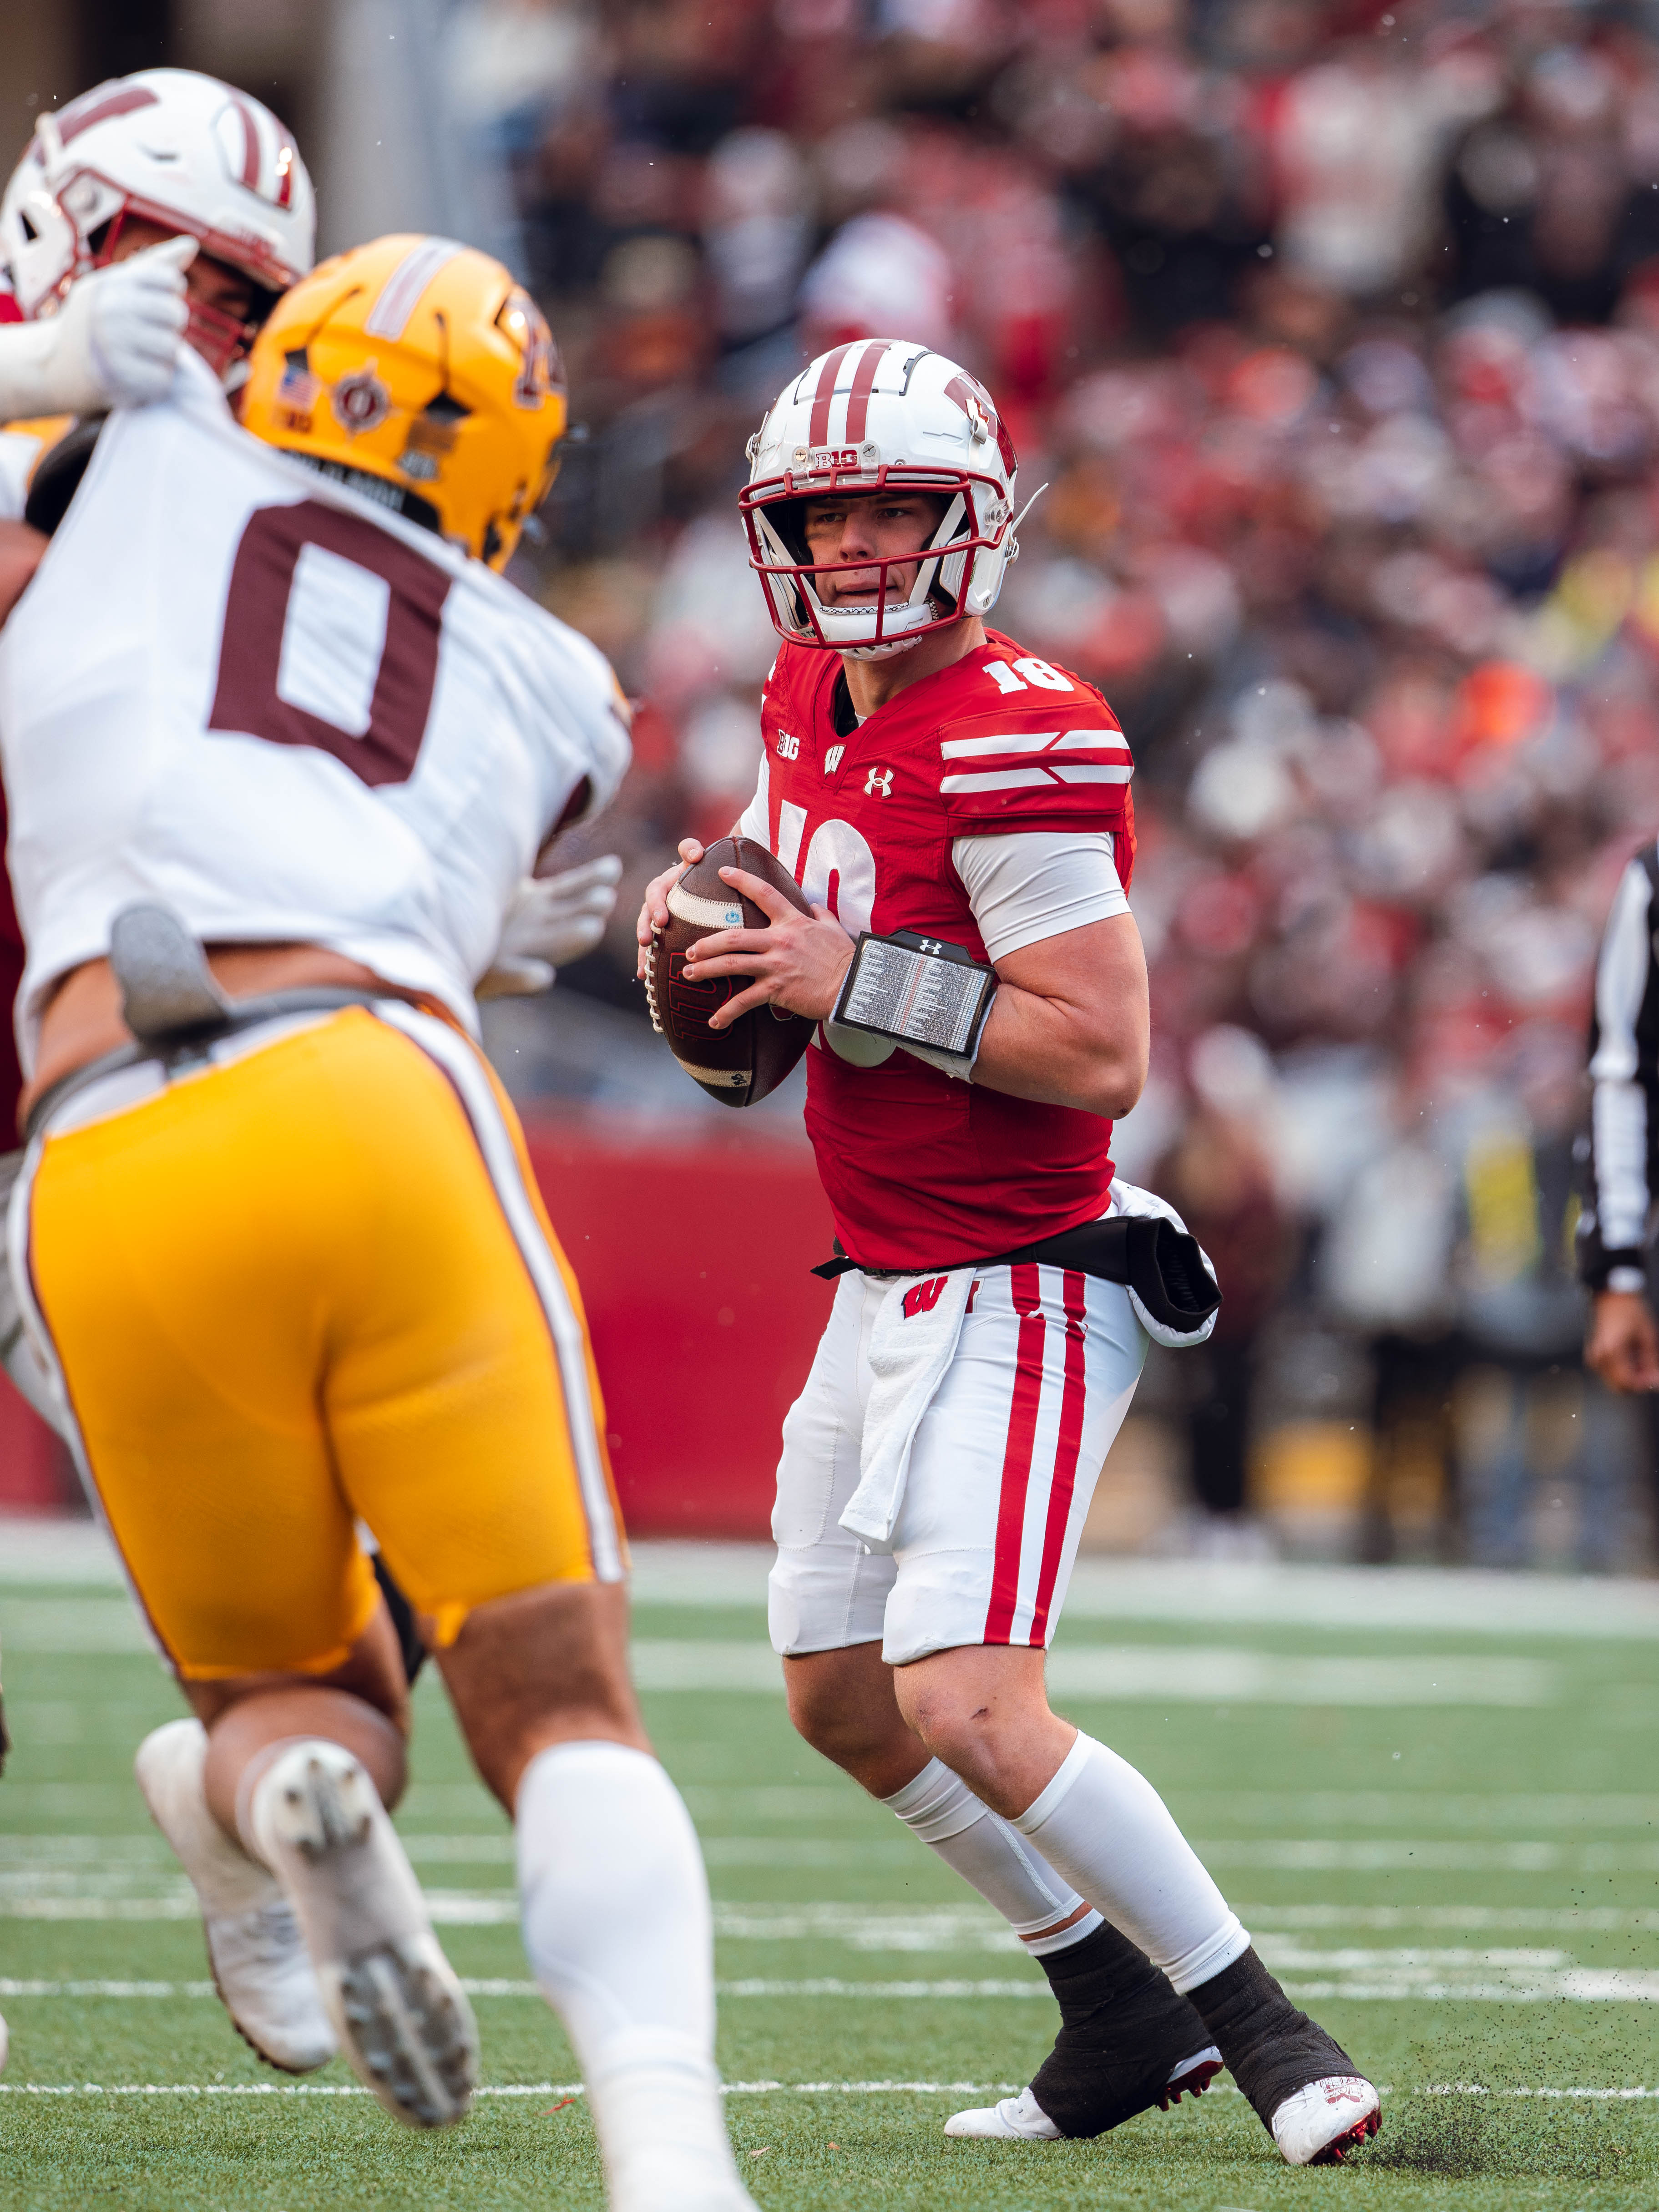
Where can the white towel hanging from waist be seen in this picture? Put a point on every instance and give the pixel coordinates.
(912, 1344)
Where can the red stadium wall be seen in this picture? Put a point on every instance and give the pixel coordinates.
(35, 1475)
(693, 1259)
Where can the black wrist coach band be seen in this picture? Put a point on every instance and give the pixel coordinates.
(917, 990)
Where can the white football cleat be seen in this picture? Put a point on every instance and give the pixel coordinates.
(1015, 2119)
(261, 1968)
(1021, 2119)
(1322, 2123)
(402, 2016)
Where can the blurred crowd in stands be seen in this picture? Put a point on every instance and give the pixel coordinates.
(1333, 331)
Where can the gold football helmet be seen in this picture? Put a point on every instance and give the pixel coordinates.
(422, 365)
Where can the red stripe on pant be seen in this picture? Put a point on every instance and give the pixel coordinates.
(1064, 1486)
(817, 432)
(1026, 1287)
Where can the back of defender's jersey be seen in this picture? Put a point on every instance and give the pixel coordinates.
(241, 689)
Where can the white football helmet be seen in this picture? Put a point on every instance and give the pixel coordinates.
(179, 149)
(880, 413)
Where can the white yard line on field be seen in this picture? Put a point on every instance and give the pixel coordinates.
(1596, 2093)
(43, 1555)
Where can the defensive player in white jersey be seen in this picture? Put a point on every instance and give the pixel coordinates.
(159, 211)
(275, 1234)
(956, 810)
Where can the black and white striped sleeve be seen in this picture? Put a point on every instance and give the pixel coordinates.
(1624, 1068)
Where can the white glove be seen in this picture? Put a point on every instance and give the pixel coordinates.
(550, 921)
(114, 342)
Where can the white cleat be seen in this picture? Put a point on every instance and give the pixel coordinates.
(1021, 2119)
(261, 1968)
(1322, 2123)
(1016, 2119)
(402, 2017)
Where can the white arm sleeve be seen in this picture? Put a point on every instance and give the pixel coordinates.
(18, 454)
(1034, 884)
(756, 820)
(1619, 1105)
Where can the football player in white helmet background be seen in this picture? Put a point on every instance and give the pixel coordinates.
(956, 811)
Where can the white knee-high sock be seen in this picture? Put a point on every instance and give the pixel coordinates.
(613, 1903)
(1105, 1828)
(940, 1808)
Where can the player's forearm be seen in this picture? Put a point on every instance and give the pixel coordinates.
(1061, 1053)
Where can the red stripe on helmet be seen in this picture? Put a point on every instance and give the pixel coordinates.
(818, 431)
(858, 399)
(975, 400)
(75, 118)
(250, 143)
(287, 155)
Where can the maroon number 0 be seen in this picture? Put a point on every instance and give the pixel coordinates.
(246, 699)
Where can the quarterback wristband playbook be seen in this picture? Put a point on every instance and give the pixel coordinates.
(918, 991)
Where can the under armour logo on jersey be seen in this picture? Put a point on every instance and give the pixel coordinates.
(832, 759)
(788, 747)
(922, 1297)
(878, 783)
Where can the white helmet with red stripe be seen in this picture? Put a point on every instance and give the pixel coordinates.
(181, 150)
(872, 416)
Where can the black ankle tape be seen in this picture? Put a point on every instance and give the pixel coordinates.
(1271, 2049)
(1123, 2032)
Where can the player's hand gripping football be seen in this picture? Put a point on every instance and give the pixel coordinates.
(797, 963)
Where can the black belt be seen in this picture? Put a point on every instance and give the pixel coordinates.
(181, 1047)
(1145, 1253)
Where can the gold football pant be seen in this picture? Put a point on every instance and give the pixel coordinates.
(307, 1283)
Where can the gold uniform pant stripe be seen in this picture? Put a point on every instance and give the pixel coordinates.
(311, 1285)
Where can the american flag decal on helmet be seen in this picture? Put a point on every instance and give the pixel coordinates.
(1035, 760)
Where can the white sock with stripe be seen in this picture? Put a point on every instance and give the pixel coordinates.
(940, 1808)
(1104, 1828)
(614, 1903)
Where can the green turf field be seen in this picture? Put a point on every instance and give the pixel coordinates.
(1439, 1814)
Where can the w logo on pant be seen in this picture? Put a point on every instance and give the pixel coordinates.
(922, 1297)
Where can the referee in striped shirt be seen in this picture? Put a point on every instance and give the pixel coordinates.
(1624, 1142)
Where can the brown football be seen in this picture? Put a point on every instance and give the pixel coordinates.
(743, 1063)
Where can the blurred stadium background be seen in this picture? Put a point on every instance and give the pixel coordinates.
(1334, 331)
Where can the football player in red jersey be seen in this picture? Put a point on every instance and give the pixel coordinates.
(957, 810)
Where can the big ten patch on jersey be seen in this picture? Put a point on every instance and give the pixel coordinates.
(864, 814)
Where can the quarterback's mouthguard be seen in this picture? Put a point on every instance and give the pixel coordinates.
(917, 990)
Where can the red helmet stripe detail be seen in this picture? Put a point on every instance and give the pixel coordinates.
(75, 118)
(973, 398)
(286, 153)
(858, 399)
(250, 143)
(817, 432)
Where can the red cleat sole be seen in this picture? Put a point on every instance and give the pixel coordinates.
(1360, 2132)
(1190, 2085)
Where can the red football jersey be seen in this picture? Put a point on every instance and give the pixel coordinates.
(922, 1169)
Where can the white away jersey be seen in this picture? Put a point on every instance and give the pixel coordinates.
(245, 691)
